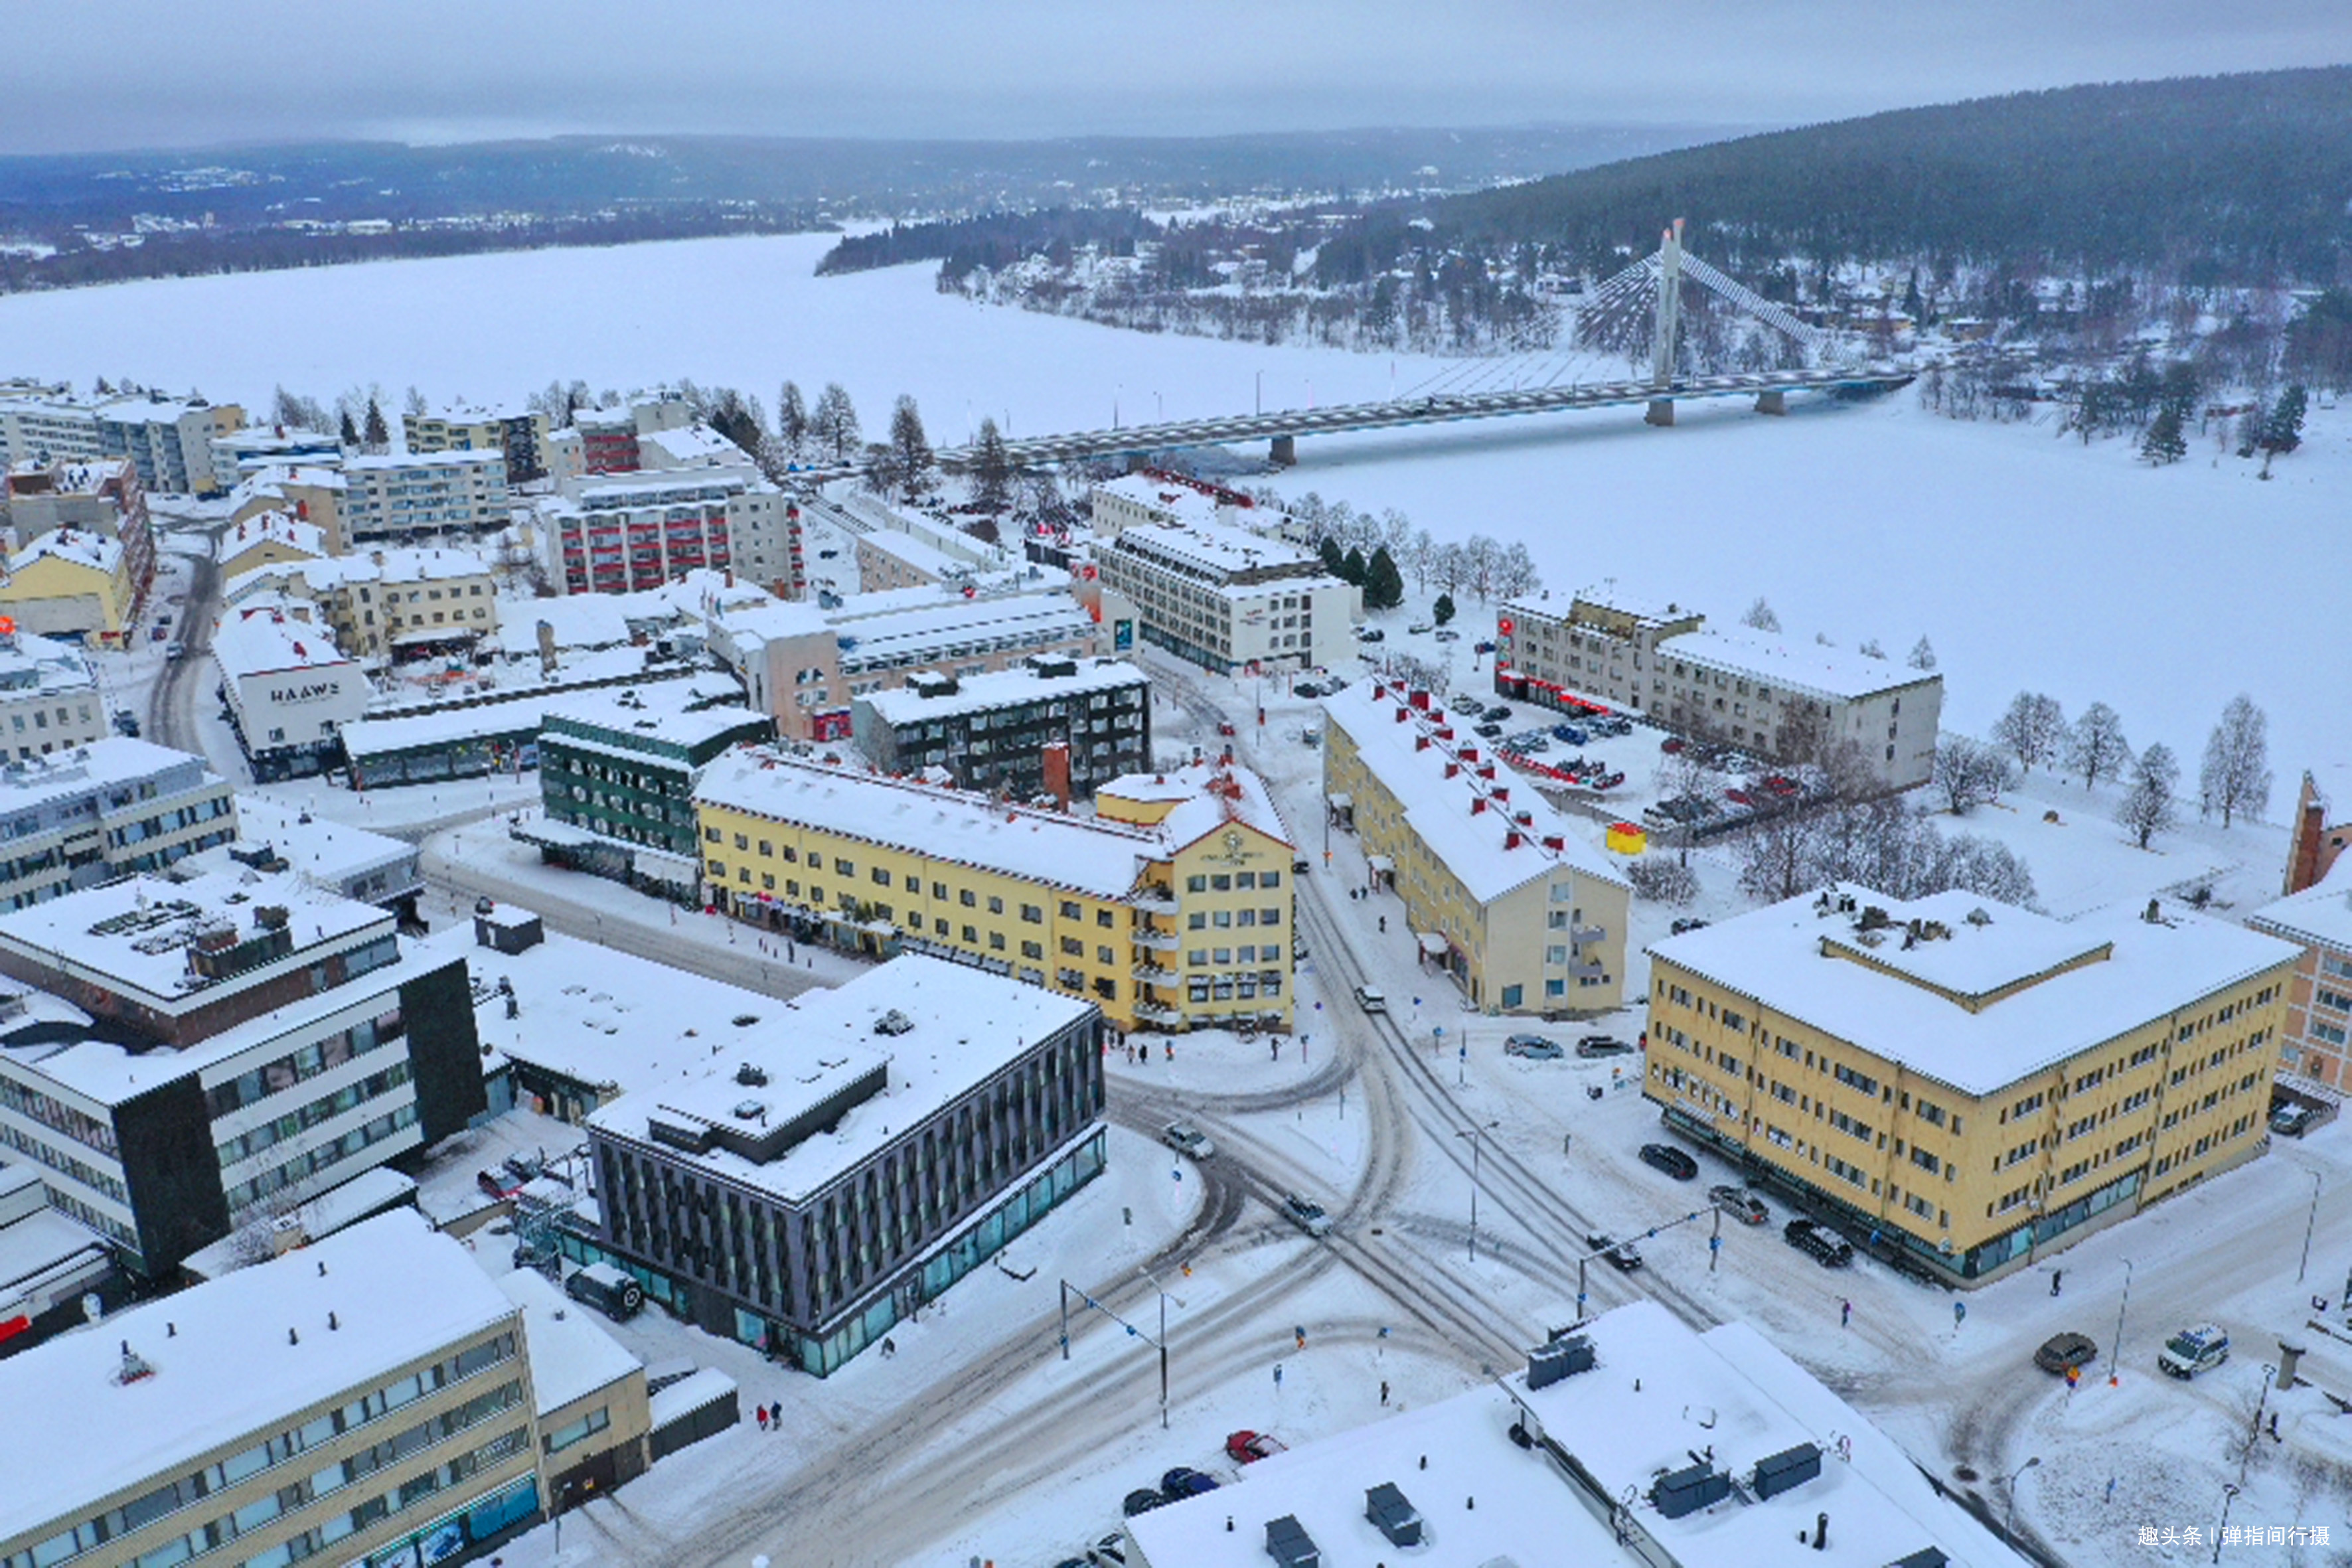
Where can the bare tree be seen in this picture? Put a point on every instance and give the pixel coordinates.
(1481, 559)
(791, 421)
(1759, 616)
(1923, 655)
(1516, 575)
(2236, 774)
(2095, 746)
(2034, 729)
(2147, 807)
(1662, 880)
(1871, 649)
(1420, 557)
(1452, 567)
(1968, 773)
(1396, 532)
(991, 470)
(833, 427)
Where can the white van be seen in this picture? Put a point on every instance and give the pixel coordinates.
(2192, 1351)
(1370, 1000)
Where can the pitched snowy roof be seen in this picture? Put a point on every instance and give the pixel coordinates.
(1984, 1004)
(1467, 821)
(2321, 914)
(280, 528)
(75, 546)
(234, 1357)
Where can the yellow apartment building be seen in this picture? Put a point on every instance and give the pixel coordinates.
(1971, 1083)
(1504, 894)
(1170, 909)
(75, 583)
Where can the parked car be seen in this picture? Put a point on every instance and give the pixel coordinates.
(496, 1185)
(1825, 1247)
(1183, 1482)
(2061, 1352)
(1482, 647)
(826, 555)
(1301, 865)
(1187, 1138)
(1306, 689)
(1142, 1499)
(175, 650)
(1488, 731)
(1372, 633)
(1567, 733)
(1310, 739)
(607, 1288)
(1593, 1045)
(1110, 1551)
(1671, 1161)
(1420, 628)
(2288, 1121)
(1499, 711)
(1224, 727)
(1681, 926)
(1535, 1048)
(1372, 999)
(126, 723)
(1247, 1448)
(1447, 633)
(1671, 746)
(1307, 1216)
(1463, 702)
(2192, 1351)
(1621, 1255)
(1740, 1203)
(1738, 797)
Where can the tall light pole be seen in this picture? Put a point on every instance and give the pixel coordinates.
(2229, 1496)
(2307, 1226)
(1477, 1136)
(2009, 1521)
(2116, 1352)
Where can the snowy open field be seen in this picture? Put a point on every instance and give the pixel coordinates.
(2029, 560)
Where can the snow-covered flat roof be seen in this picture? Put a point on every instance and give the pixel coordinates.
(942, 628)
(1441, 1457)
(1024, 582)
(1002, 688)
(30, 662)
(93, 766)
(2076, 983)
(2320, 914)
(1474, 843)
(402, 462)
(1660, 1394)
(966, 1025)
(602, 1017)
(1180, 501)
(328, 852)
(263, 643)
(571, 1357)
(652, 713)
(235, 1357)
(579, 620)
(525, 710)
(1218, 549)
(689, 444)
(389, 565)
(1808, 666)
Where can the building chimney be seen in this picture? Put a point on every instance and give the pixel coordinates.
(1554, 842)
(1421, 743)
(1478, 803)
(1056, 759)
(1511, 839)
(1502, 795)
(1453, 768)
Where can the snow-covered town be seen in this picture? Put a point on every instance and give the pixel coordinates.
(1649, 944)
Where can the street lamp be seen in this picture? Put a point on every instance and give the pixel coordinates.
(2229, 1496)
(2307, 1226)
(2009, 1521)
(2116, 1353)
(1476, 1135)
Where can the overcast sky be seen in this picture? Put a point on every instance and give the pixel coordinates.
(105, 74)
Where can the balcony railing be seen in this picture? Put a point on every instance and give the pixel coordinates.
(1159, 940)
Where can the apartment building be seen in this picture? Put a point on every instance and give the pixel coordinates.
(399, 496)
(618, 773)
(267, 538)
(366, 1399)
(1170, 909)
(2313, 1044)
(243, 454)
(1970, 1084)
(1779, 699)
(624, 533)
(47, 425)
(49, 699)
(809, 1189)
(807, 663)
(102, 498)
(76, 584)
(1156, 497)
(1227, 599)
(388, 605)
(992, 733)
(109, 808)
(308, 494)
(244, 1041)
(610, 436)
(1504, 894)
(518, 435)
(168, 439)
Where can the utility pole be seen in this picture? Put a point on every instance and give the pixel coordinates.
(1670, 308)
(1476, 1135)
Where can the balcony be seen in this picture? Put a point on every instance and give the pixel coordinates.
(1154, 899)
(1585, 936)
(1154, 938)
(1155, 974)
(1159, 1013)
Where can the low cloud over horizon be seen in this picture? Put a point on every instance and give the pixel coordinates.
(121, 74)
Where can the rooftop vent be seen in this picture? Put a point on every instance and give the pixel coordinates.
(1547, 1364)
(750, 1110)
(750, 1076)
(1288, 1542)
(1787, 1471)
(1392, 1515)
(1977, 916)
(894, 1022)
(1686, 1490)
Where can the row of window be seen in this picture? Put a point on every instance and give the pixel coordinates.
(56, 1159)
(252, 1087)
(278, 1178)
(324, 1108)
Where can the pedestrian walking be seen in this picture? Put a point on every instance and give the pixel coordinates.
(1845, 1314)
(1384, 925)
(1170, 1046)
(764, 1417)
(776, 1417)
(1384, 1391)
(1277, 1376)
(2055, 1275)
(1277, 1049)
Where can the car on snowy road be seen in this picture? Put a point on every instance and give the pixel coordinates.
(1371, 999)
(1593, 1045)
(1535, 1048)
(1420, 628)
(1307, 1216)
(1621, 1255)
(1740, 1203)
(1247, 1448)
(1671, 1161)
(1187, 1138)
(1825, 1247)
(2064, 1352)
(2192, 1351)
